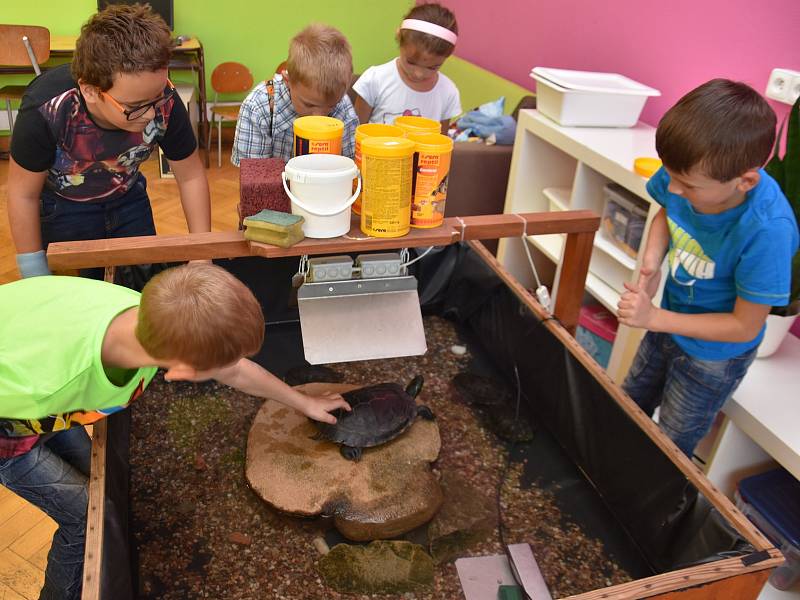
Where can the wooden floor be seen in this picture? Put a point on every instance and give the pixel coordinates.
(26, 532)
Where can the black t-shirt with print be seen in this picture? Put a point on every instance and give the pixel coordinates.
(54, 132)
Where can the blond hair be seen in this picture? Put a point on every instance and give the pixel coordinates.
(201, 315)
(320, 57)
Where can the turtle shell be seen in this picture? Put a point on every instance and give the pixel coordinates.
(477, 390)
(379, 414)
(312, 373)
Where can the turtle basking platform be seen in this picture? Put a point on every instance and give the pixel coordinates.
(389, 491)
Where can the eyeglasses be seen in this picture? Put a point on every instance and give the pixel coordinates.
(131, 114)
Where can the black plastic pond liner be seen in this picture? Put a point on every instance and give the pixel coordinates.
(118, 564)
(660, 511)
(664, 514)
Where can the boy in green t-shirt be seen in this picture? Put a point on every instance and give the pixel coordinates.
(78, 349)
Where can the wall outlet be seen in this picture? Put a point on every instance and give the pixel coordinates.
(783, 85)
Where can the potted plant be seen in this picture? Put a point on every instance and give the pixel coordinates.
(786, 171)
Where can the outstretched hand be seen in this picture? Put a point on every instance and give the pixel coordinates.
(320, 407)
(635, 307)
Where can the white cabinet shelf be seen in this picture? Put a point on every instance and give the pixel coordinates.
(604, 245)
(558, 197)
(551, 244)
(557, 168)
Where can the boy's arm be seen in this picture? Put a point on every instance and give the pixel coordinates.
(24, 188)
(190, 175)
(252, 137)
(453, 109)
(762, 280)
(636, 307)
(363, 110)
(253, 379)
(656, 248)
(741, 325)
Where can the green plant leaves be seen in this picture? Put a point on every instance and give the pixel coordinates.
(786, 171)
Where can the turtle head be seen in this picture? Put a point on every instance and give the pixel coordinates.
(415, 386)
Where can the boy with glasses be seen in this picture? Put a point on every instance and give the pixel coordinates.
(84, 129)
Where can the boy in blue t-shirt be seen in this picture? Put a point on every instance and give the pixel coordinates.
(729, 235)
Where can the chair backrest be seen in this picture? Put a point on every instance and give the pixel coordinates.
(13, 52)
(231, 78)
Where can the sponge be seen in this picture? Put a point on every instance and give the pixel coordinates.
(273, 227)
(261, 186)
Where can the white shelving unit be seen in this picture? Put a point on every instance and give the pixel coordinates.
(760, 428)
(565, 168)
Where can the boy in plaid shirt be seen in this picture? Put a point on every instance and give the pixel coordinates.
(318, 73)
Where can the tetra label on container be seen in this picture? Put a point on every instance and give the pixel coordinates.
(386, 204)
(430, 188)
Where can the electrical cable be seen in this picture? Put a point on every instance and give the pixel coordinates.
(542, 293)
(500, 483)
(411, 262)
(530, 260)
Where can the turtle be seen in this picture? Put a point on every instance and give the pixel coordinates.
(301, 374)
(380, 413)
(478, 390)
(494, 403)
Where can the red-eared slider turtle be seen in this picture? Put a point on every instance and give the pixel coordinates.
(478, 390)
(379, 414)
(494, 403)
(312, 373)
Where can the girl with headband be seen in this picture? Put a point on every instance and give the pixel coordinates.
(411, 83)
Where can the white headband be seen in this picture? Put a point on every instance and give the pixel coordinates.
(431, 29)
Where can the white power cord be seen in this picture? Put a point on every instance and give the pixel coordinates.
(542, 293)
(404, 257)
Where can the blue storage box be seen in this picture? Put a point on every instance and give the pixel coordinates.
(771, 500)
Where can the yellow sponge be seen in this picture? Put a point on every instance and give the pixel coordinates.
(273, 227)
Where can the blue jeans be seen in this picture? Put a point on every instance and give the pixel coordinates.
(64, 220)
(689, 390)
(53, 476)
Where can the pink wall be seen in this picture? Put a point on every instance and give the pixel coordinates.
(671, 45)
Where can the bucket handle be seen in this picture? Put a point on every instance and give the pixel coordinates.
(339, 209)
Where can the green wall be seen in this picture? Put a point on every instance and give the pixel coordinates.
(251, 32)
(477, 85)
(258, 33)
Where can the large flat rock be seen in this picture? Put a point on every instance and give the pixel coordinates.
(390, 491)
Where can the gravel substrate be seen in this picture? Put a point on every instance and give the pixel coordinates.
(201, 532)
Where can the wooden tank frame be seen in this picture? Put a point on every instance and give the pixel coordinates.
(740, 577)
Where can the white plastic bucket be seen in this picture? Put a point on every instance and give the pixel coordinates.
(320, 187)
